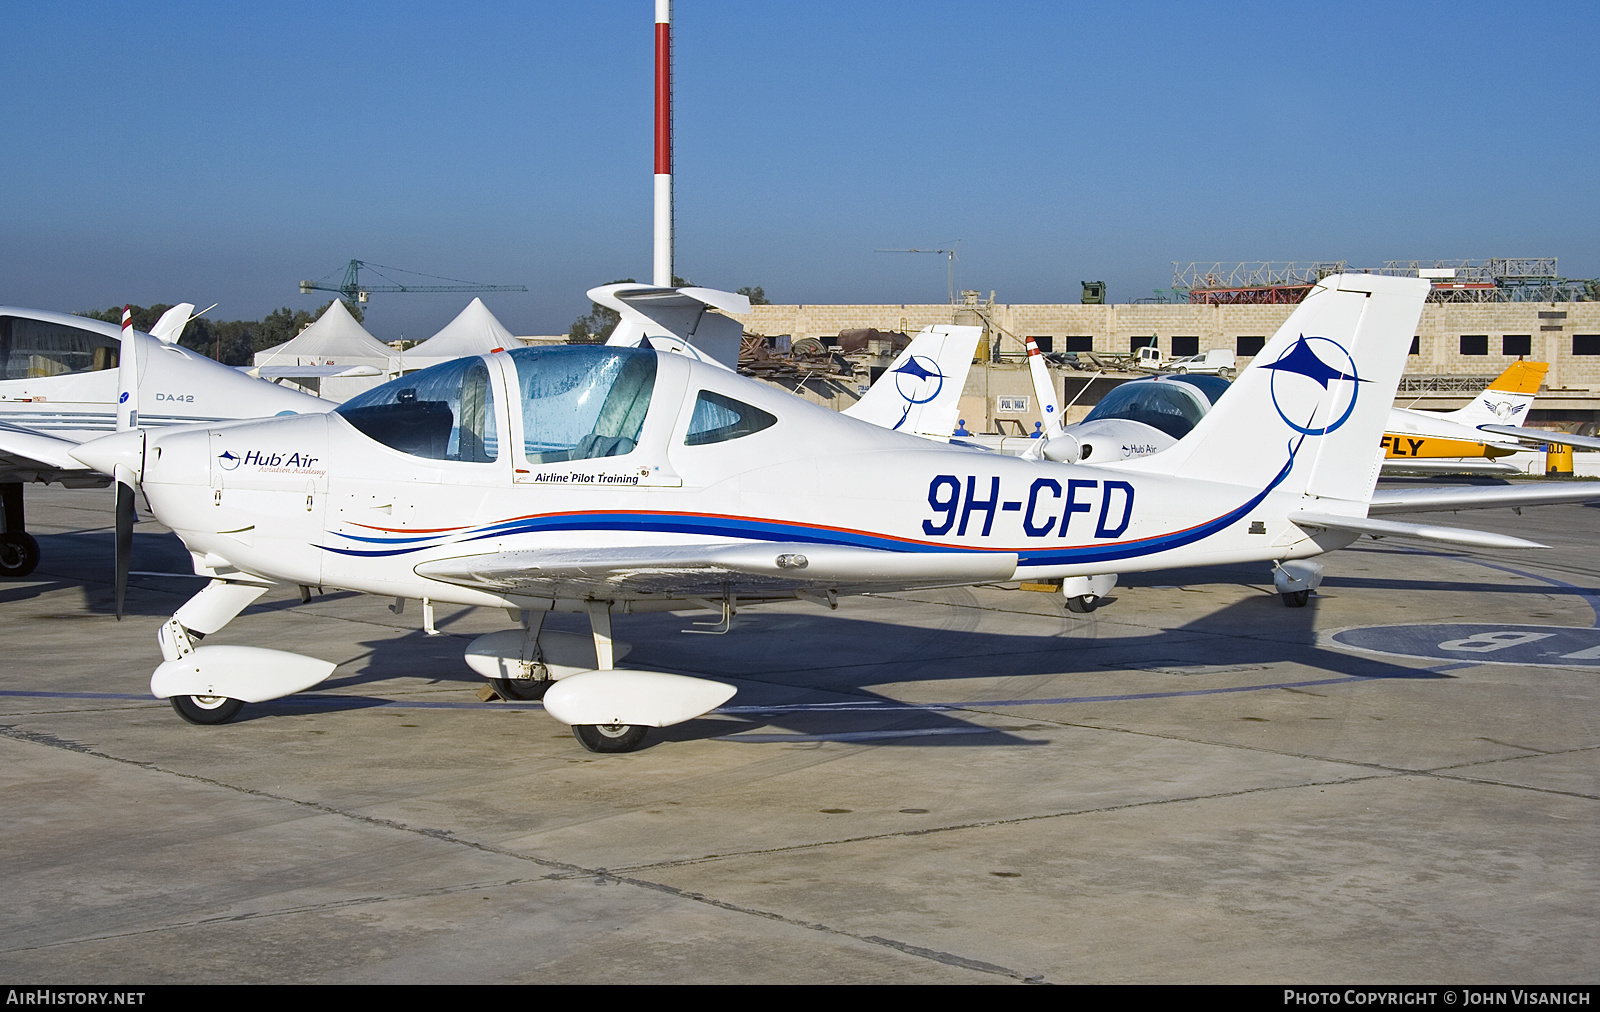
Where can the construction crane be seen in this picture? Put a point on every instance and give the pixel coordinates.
(353, 289)
(948, 254)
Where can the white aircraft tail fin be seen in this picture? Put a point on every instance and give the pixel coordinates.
(170, 327)
(920, 392)
(1044, 390)
(676, 320)
(1507, 400)
(1308, 414)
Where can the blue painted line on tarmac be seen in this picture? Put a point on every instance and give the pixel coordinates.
(920, 732)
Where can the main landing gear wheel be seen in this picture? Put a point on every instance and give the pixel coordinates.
(207, 709)
(1296, 598)
(1083, 604)
(19, 554)
(522, 689)
(609, 737)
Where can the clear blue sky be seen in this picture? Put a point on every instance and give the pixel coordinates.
(218, 152)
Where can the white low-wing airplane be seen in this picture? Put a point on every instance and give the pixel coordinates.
(1144, 417)
(607, 480)
(65, 379)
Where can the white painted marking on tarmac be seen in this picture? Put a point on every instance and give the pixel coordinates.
(1488, 642)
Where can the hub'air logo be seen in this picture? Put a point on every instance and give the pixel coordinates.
(228, 459)
(1308, 361)
(918, 382)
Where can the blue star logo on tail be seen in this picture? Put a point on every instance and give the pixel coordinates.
(918, 381)
(1303, 360)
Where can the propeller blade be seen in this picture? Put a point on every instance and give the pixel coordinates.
(127, 375)
(127, 516)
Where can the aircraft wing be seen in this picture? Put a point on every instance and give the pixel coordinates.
(760, 569)
(1541, 436)
(272, 372)
(1420, 532)
(1481, 497)
(27, 455)
(1423, 466)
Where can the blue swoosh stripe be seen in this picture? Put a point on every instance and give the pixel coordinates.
(774, 530)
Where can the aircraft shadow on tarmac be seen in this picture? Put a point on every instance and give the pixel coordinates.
(771, 655)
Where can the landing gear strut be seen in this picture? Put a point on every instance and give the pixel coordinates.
(538, 681)
(606, 737)
(19, 552)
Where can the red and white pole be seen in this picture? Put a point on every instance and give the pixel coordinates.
(663, 233)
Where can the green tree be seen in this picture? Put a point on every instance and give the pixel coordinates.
(756, 295)
(232, 342)
(598, 325)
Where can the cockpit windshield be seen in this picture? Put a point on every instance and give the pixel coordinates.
(442, 413)
(1174, 408)
(582, 401)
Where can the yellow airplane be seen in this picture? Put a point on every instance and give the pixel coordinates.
(1435, 435)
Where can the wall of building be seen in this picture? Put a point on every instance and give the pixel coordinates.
(1573, 383)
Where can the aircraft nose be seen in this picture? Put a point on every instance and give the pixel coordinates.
(105, 453)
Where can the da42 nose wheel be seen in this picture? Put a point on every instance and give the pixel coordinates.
(609, 737)
(207, 709)
(19, 554)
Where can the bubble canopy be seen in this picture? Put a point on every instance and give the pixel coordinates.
(1172, 407)
(577, 402)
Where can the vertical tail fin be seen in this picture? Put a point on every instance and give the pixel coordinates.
(920, 392)
(1308, 413)
(1508, 399)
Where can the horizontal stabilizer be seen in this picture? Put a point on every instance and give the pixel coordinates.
(1396, 465)
(1421, 532)
(1481, 497)
(676, 320)
(1541, 436)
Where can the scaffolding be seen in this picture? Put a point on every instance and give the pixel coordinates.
(1495, 279)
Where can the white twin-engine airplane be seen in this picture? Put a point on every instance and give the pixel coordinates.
(66, 379)
(606, 480)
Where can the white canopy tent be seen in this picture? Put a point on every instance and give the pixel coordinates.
(474, 331)
(334, 340)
